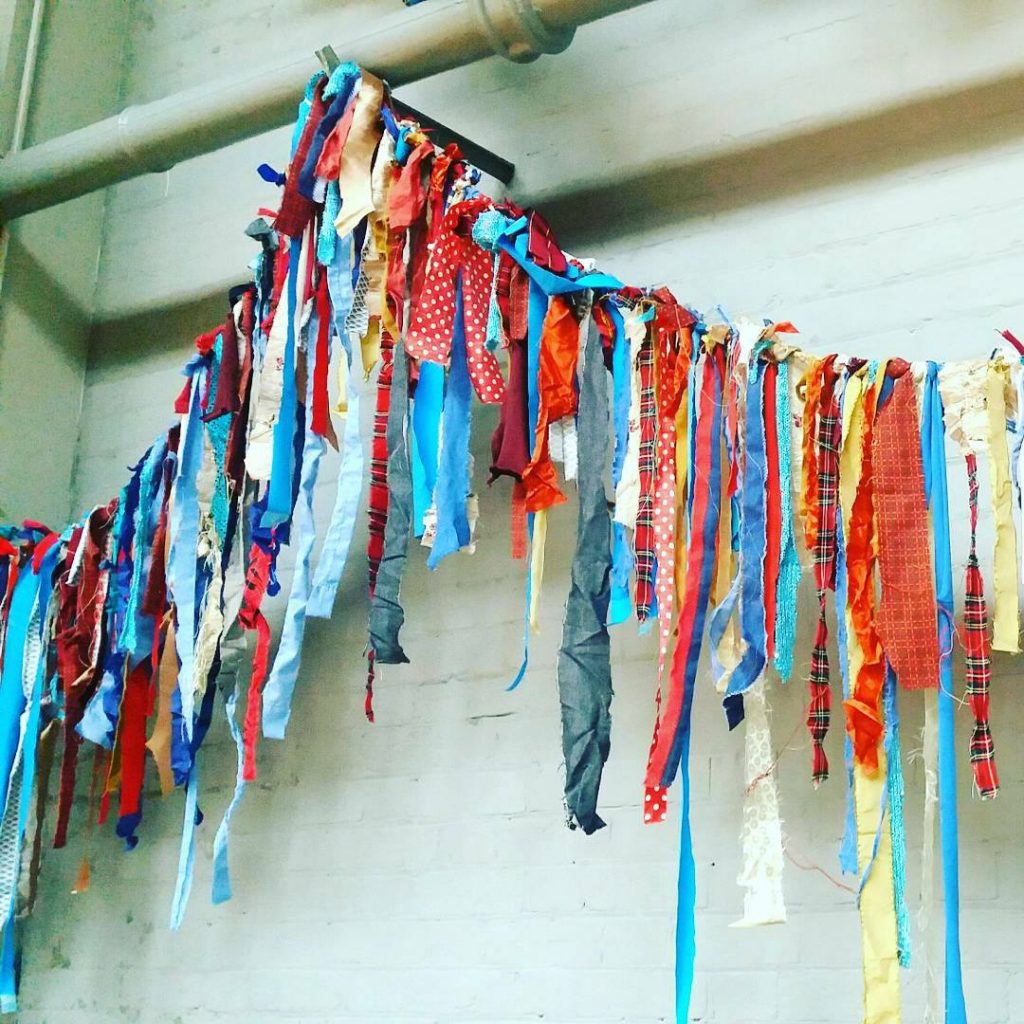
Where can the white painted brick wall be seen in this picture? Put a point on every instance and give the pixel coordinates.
(418, 869)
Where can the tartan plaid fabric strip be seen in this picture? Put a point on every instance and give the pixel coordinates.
(643, 538)
(974, 636)
(829, 436)
(378, 501)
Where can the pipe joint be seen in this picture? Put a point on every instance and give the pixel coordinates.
(517, 32)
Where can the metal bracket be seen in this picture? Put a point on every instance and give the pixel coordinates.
(479, 156)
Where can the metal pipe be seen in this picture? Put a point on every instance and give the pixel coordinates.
(424, 41)
(28, 75)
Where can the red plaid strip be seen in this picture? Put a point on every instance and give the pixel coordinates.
(829, 437)
(974, 636)
(643, 538)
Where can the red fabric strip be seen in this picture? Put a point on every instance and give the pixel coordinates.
(907, 611)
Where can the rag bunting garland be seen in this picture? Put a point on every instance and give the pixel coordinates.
(386, 262)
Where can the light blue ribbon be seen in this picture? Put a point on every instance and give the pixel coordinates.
(279, 497)
(933, 450)
(184, 530)
(280, 685)
(752, 552)
(187, 852)
(221, 890)
(12, 705)
(426, 435)
(350, 479)
(453, 472)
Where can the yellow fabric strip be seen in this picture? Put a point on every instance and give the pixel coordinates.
(357, 156)
(1006, 615)
(159, 742)
(877, 907)
(540, 533)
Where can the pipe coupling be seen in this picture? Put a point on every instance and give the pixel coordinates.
(517, 32)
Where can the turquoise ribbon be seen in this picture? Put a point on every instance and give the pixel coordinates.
(22, 619)
(789, 566)
(620, 604)
(894, 777)
(426, 435)
(933, 451)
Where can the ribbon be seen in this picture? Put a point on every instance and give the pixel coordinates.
(453, 472)
(789, 564)
(338, 539)
(280, 684)
(934, 456)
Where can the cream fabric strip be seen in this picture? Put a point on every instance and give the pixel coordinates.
(761, 833)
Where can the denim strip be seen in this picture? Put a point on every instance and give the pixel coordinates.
(584, 660)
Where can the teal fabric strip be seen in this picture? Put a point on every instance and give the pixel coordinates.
(894, 773)
(933, 450)
(788, 582)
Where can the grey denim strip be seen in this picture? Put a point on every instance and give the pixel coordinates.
(584, 660)
(386, 613)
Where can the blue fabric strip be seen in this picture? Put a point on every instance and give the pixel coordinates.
(752, 551)
(933, 450)
(221, 890)
(686, 898)
(279, 501)
(426, 436)
(184, 529)
(789, 567)
(280, 684)
(453, 470)
(555, 284)
(620, 605)
(350, 480)
(537, 311)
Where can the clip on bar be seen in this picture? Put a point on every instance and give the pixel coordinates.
(488, 162)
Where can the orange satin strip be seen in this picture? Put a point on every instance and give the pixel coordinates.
(809, 492)
(863, 717)
(559, 351)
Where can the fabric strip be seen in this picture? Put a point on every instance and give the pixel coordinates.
(584, 659)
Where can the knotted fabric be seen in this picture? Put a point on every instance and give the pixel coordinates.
(823, 491)
(974, 636)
